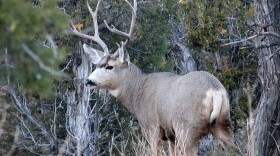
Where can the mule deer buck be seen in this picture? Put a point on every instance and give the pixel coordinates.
(181, 109)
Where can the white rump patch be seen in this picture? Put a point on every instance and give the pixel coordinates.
(217, 106)
(213, 103)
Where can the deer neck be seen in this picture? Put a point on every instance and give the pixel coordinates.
(129, 92)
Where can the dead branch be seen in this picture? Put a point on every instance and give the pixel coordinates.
(21, 105)
(41, 63)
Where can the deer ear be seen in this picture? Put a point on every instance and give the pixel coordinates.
(94, 55)
(123, 55)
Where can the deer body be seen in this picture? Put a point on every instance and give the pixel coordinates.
(181, 109)
(168, 106)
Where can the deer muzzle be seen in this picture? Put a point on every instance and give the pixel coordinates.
(90, 83)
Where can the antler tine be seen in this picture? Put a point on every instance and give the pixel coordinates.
(132, 25)
(96, 38)
(133, 18)
(94, 17)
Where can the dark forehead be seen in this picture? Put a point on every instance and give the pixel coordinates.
(104, 61)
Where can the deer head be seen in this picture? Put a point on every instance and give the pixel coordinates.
(109, 67)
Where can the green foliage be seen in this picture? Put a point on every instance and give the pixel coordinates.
(207, 21)
(153, 33)
(23, 23)
(211, 23)
(241, 72)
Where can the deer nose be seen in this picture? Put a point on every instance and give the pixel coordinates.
(89, 83)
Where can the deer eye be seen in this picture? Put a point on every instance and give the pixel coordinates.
(109, 67)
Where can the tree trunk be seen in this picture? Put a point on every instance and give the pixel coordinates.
(187, 62)
(265, 128)
(78, 109)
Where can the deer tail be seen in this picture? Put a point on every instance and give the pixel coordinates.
(217, 106)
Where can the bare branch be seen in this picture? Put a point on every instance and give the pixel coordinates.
(16, 138)
(276, 143)
(21, 106)
(52, 46)
(3, 120)
(63, 148)
(260, 46)
(252, 37)
(41, 63)
(240, 41)
(270, 33)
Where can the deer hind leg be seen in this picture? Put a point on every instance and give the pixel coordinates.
(185, 142)
(154, 139)
(224, 137)
(186, 147)
(171, 146)
(223, 132)
(156, 147)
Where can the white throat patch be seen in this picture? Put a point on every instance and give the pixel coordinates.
(115, 92)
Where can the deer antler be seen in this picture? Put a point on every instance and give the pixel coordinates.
(96, 38)
(132, 25)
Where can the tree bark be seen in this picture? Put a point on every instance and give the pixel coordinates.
(265, 128)
(78, 109)
(188, 64)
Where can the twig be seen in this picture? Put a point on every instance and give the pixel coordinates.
(16, 138)
(252, 37)
(21, 106)
(63, 148)
(53, 46)
(269, 33)
(41, 64)
(276, 143)
(240, 41)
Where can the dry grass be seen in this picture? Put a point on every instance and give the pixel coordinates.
(138, 145)
(141, 147)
